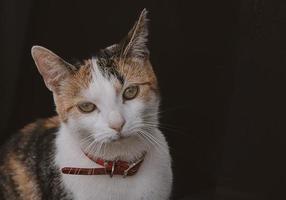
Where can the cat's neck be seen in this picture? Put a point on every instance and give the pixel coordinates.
(70, 152)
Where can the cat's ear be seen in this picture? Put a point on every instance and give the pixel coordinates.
(135, 44)
(53, 69)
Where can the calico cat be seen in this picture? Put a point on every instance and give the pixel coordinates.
(105, 143)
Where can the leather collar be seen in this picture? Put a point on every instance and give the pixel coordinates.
(116, 167)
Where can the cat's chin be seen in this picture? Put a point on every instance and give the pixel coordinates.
(126, 148)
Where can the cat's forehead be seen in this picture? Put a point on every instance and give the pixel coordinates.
(112, 65)
(106, 61)
(102, 88)
(108, 69)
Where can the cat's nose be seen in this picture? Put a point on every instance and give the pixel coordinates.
(118, 126)
(116, 121)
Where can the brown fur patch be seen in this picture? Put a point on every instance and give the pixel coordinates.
(70, 89)
(29, 128)
(140, 73)
(25, 183)
(6, 187)
(52, 122)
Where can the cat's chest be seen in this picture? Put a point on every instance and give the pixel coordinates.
(152, 181)
(103, 187)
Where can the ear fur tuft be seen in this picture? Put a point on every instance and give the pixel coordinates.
(137, 38)
(52, 68)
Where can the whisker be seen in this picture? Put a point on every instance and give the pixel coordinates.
(86, 138)
(147, 133)
(155, 141)
(171, 129)
(146, 139)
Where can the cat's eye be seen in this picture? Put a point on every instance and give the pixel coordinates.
(130, 92)
(86, 107)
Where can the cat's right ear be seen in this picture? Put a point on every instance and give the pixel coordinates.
(53, 69)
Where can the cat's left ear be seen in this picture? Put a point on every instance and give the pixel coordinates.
(53, 69)
(135, 44)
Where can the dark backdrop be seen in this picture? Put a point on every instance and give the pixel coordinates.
(221, 68)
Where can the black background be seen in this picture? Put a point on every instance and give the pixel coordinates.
(221, 66)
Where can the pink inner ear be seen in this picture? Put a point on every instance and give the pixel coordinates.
(42, 64)
(51, 67)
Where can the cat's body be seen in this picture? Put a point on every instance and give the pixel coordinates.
(30, 170)
(108, 109)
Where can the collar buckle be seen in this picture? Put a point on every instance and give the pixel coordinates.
(105, 164)
(112, 169)
(131, 166)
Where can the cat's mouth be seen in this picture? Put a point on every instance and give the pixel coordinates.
(119, 137)
(109, 139)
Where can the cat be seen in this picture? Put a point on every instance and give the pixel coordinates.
(104, 143)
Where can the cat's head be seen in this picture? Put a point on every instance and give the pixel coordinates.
(111, 96)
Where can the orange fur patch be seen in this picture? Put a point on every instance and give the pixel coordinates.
(70, 89)
(25, 183)
(7, 188)
(29, 128)
(137, 73)
(52, 122)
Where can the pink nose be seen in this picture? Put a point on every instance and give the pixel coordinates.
(116, 121)
(118, 125)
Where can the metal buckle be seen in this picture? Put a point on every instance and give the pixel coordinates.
(112, 169)
(131, 166)
(105, 164)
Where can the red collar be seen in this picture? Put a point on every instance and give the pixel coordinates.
(116, 167)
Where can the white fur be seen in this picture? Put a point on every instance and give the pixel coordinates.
(153, 180)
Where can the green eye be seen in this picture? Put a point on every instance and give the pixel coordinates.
(86, 107)
(130, 92)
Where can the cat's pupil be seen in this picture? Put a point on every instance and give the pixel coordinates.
(86, 105)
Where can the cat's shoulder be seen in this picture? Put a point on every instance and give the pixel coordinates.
(41, 130)
(41, 125)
